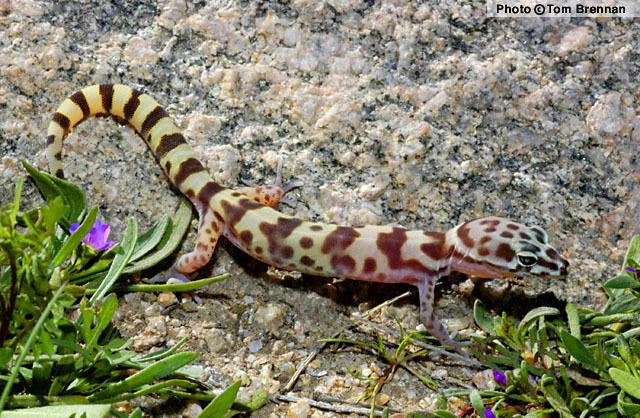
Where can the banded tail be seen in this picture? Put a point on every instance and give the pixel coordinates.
(148, 119)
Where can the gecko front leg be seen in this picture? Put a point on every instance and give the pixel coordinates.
(426, 292)
(209, 230)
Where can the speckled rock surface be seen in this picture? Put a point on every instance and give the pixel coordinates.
(423, 114)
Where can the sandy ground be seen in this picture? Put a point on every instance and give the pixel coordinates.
(420, 114)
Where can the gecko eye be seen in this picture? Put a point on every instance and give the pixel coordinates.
(527, 259)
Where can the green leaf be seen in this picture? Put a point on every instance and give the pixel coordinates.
(221, 403)
(622, 282)
(441, 414)
(476, 401)
(171, 240)
(633, 253)
(151, 238)
(577, 349)
(74, 240)
(103, 320)
(622, 303)
(176, 287)
(121, 259)
(553, 397)
(160, 354)
(27, 347)
(146, 376)
(626, 381)
(52, 186)
(137, 413)
(480, 315)
(59, 411)
(574, 320)
(626, 407)
(536, 313)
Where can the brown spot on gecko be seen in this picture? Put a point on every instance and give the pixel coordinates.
(286, 251)
(246, 237)
(513, 227)
(551, 253)
(236, 194)
(132, 105)
(315, 228)
(61, 120)
(277, 233)
(186, 169)
(525, 236)
(390, 244)
(369, 266)
(169, 142)
(151, 119)
(547, 264)
(210, 189)
(79, 99)
(490, 230)
(234, 213)
(506, 234)
(306, 242)
(492, 222)
(339, 239)
(505, 252)
(483, 251)
(435, 249)
(484, 240)
(343, 264)
(464, 235)
(259, 250)
(51, 139)
(307, 261)
(106, 93)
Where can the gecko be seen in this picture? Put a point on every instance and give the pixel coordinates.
(489, 247)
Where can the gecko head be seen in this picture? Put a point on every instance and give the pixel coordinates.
(495, 247)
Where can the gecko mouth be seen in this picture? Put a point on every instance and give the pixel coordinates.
(482, 270)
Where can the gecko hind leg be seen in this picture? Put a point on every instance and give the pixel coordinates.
(271, 194)
(426, 289)
(209, 230)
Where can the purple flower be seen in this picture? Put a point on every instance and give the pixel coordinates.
(500, 377)
(489, 414)
(98, 236)
(632, 270)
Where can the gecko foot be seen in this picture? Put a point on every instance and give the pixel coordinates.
(271, 194)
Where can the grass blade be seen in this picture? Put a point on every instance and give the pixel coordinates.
(182, 220)
(60, 411)
(626, 381)
(176, 287)
(577, 349)
(146, 376)
(74, 240)
(221, 403)
(151, 238)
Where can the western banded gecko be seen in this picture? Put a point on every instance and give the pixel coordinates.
(489, 247)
